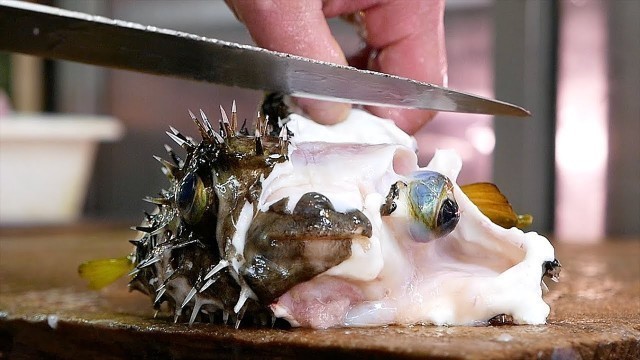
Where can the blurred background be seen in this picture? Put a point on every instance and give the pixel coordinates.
(575, 165)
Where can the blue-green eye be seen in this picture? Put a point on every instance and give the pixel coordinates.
(431, 205)
(191, 198)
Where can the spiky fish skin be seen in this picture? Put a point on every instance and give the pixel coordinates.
(189, 264)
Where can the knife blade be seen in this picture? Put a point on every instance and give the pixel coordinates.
(67, 35)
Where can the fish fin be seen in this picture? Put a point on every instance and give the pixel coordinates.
(103, 272)
(493, 204)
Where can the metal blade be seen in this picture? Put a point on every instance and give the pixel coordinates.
(60, 34)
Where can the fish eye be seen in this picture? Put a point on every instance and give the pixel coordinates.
(432, 207)
(191, 198)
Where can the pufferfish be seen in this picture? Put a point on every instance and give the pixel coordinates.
(328, 226)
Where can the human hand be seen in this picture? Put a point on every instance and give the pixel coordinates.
(407, 38)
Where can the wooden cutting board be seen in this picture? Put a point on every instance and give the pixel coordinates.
(45, 311)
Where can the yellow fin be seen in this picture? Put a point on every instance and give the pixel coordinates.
(103, 272)
(492, 203)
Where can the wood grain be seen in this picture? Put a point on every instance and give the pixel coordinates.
(45, 311)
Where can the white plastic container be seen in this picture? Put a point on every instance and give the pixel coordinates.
(46, 163)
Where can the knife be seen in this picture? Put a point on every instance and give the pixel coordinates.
(67, 35)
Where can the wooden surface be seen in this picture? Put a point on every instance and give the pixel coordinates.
(45, 311)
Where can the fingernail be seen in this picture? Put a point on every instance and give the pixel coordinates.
(325, 112)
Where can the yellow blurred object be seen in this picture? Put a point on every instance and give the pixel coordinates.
(103, 272)
(493, 204)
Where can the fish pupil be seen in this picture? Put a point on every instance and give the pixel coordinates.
(186, 193)
(448, 216)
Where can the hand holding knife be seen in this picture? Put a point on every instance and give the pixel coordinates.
(55, 33)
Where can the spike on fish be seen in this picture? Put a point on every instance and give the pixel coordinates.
(189, 296)
(256, 131)
(206, 122)
(234, 117)
(174, 157)
(192, 115)
(171, 169)
(159, 295)
(283, 140)
(208, 283)
(228, 129)
(134, 272)
(148, 262)
(157, 201)
(201, 128)
(184, 143)
(136, 243)
(196, 310)
(149, 229)
(259, 147)
(284, 133)
(145, 229)
(239, 316)
(243, 129)
(221, 265)
(187, 139)
(245, 292)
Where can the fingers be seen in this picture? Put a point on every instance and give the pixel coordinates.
(299, 28)
(409, 36)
